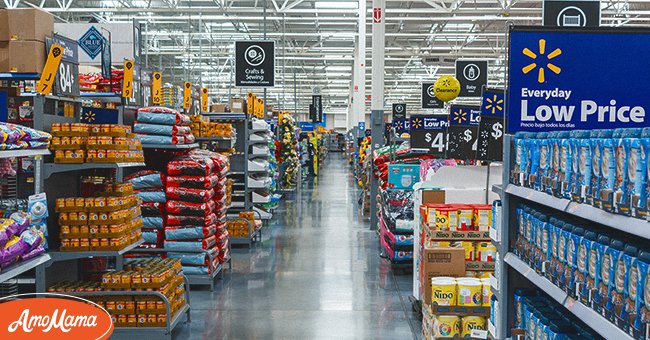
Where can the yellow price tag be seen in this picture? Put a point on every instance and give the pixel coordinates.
(187, 95)
(156, 88)
(127, 82)
(204, 100)
(252, 98)
(49, 71)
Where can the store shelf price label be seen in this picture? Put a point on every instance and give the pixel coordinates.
(205, 105)
(187, 95)
(463, 131)
(49, 71)
(156, 88)
(429, 132)
(127, 81)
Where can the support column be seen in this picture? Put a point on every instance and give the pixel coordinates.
(377, 103)
(359, 72)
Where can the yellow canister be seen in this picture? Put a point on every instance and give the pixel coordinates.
(443, 291)
(446, 326)
(470, 323)
(469, 292)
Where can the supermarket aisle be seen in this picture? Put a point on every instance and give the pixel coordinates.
(316, 276)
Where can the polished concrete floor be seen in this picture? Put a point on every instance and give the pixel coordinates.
(316, 275)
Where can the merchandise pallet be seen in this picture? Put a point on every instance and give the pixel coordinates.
(146, 332)
(510, 196)
(255, 234)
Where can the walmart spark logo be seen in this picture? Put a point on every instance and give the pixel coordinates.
(538, 58)
(89, 116)
(416, 123)
(495, 104)
(460, 116)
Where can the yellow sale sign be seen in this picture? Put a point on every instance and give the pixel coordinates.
(49, 71)
(127, 82)
(156, 88)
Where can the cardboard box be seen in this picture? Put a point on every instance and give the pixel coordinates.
(218, 108)
(440, 262)
(25, 24)
(22, 56)
(237, 105)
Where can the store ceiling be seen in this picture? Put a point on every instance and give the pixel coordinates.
(315, 40)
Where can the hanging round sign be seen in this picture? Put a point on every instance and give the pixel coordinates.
(446, 88)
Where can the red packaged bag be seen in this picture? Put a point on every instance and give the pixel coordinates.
(190, 166)
(175, 220)
(190, 195)
(193, 182)
(190, 209)
(152, 209)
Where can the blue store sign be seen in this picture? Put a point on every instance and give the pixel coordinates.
(91, 42)
(566, 79)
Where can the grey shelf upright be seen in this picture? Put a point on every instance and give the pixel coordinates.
(508, 263)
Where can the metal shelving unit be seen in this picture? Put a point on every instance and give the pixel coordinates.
(51, 168)
(129, 333)
(24, 153)
(75, 255)
(508, 262)
(590, 317)
(21, 267)
(171, 147)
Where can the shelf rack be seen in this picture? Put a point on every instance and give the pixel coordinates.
(21, 267)
(254, 234)
(510, 195)
(52, 168)
(590, 317)
(171, 147)
(24, 153)
(194, 280)
(129, 333)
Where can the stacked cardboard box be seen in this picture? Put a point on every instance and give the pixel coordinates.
(22, 39)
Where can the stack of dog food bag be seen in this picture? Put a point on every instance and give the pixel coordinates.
(150, 186)
(162, 126)
(195, 227)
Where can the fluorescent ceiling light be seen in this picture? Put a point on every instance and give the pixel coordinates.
(337, 5)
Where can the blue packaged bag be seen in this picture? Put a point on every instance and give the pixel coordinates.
(640, 196)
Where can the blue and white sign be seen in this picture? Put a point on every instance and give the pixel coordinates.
(465, 115)
(429, 132)
(91, 42)
(362, 126)
(566, 79)
(306, 126)
(492, 104)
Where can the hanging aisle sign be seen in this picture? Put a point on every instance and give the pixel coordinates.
(127, 82)
(571, 13)
(399, 111)
(491, 129)
(255, 63)
(557, 78)
(49, 70)
(463, 131)
(429, 100)
(205, 106)
(187, 95)
(429, 132)
(473, 76)
(156, 88)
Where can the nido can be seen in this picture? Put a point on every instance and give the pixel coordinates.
(447, 326)
(470, 323)
(470, 292)
(443, 291)
(486, 292)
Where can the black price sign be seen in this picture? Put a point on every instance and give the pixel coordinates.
(563, 13)
(399, 111)
(429, 132)
(429, 99)
(66, 80)
(255, 63)
(463, 131)
(316, 109)
(473, 76)
(491, 128)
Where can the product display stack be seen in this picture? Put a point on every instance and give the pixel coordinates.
(96, 83)
(18, 137)
(150, 187)
(106, 218)
(195, 228)
(289, 161)
(162, 126)
(123, 294)
(19, 241)
(95, 143)
(456, 293)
